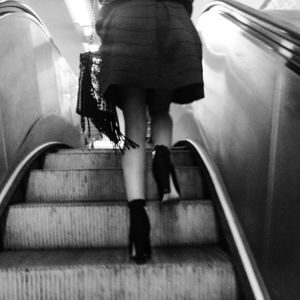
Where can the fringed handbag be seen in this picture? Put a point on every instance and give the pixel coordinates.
(91, 104)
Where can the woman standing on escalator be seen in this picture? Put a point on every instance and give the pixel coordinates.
(152, 56)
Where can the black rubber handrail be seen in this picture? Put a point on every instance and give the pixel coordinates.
(281, 28)
(12, 6)
(7, 6)
(284, 38)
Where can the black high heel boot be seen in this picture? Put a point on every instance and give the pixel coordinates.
(163, 169)
(139, 231)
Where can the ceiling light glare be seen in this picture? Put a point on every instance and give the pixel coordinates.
(80, 11)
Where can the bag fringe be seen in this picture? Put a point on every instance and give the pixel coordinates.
(108, 125)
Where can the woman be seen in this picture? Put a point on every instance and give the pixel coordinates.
(152, 56)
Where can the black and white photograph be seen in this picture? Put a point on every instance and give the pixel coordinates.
(149, 149)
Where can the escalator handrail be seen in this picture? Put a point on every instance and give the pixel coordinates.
(12, 6)
(277, 27)
(256, 282)
(5, 7)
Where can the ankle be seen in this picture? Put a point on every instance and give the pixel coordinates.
(136, 203)
(162, 148)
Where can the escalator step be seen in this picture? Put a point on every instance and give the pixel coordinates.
(102, 159)
(79, 225)
(101, 185)
(188, 273)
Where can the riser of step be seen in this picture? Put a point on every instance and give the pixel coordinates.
(44, 226)
(202, 276)
(103, 160)
(80, 185)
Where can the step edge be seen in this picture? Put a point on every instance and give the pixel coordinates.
(211, 251)
(119, 169)
(90, 203)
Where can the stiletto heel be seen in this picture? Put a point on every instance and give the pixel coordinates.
(139, 231)
(165, 175)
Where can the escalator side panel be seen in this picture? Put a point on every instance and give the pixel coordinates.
(37, 91)
(282, 241)
(249, 123)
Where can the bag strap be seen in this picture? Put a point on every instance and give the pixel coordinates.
(93, 22)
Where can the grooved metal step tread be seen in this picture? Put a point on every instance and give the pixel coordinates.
(179, 273)
(100, 159)
(108, 184)
(81, 225)
(109, 150)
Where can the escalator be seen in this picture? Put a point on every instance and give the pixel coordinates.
(68, 239)
(64, 219)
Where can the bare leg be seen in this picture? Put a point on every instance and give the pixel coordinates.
(135, 128)
(134, 110)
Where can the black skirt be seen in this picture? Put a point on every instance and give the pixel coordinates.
(152, 45)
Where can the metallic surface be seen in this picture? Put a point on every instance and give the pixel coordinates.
(249, 124)
(186, 273)
(95, 225)
(191, 265)
(37, 89)
(104, 159)
(85, 185)
(250, 279)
